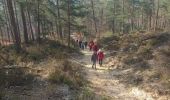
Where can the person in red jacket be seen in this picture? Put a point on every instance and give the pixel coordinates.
(91, 43)
(100, 55)
(95, 47)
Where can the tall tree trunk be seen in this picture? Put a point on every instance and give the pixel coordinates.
(113, 20)
(53, 30)
(38, 20)
(132, 17)
(24, 23)
(123, 10)
(44, 28)
(138, 18)
(113, 26)
(157, 15)
(6, 21)
(2, 36)
(57, 28)
(16, 16)
(14, 25)
(142, 19)
(150, 21)
(59, 20)
(68, 14)
(101, 22)
(30, 24)
(94, 18)
(150, 14)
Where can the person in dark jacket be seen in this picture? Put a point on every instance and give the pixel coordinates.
(82, 46)
(85, 42)
(94, 59)
(80, 43)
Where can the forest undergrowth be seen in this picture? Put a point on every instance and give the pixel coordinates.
(40, 71)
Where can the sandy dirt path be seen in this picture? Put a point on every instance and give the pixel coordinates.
(103, 82)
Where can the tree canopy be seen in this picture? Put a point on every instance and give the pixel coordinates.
(35, 19)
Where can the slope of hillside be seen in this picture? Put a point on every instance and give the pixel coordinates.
(144, 59)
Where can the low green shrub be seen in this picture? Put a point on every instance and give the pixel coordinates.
(54, 44)
(35, 56)
(143, 65)
(67, 66)
(87, 94)
(135, 80)
(145, 52)
(166, 52)
(130, 60)
(155, 75)
(159, 40)
(69, 74)
(60, 77)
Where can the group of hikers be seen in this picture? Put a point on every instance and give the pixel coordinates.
(82, 43)
(98, 54)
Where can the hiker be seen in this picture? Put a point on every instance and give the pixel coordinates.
(94, 59)
(83, 46)
(91, 43)
(80, 43)
(100, 55)
(79, 39)
(85, 42)
(95, 47)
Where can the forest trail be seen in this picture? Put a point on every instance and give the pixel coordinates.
(106, 83)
